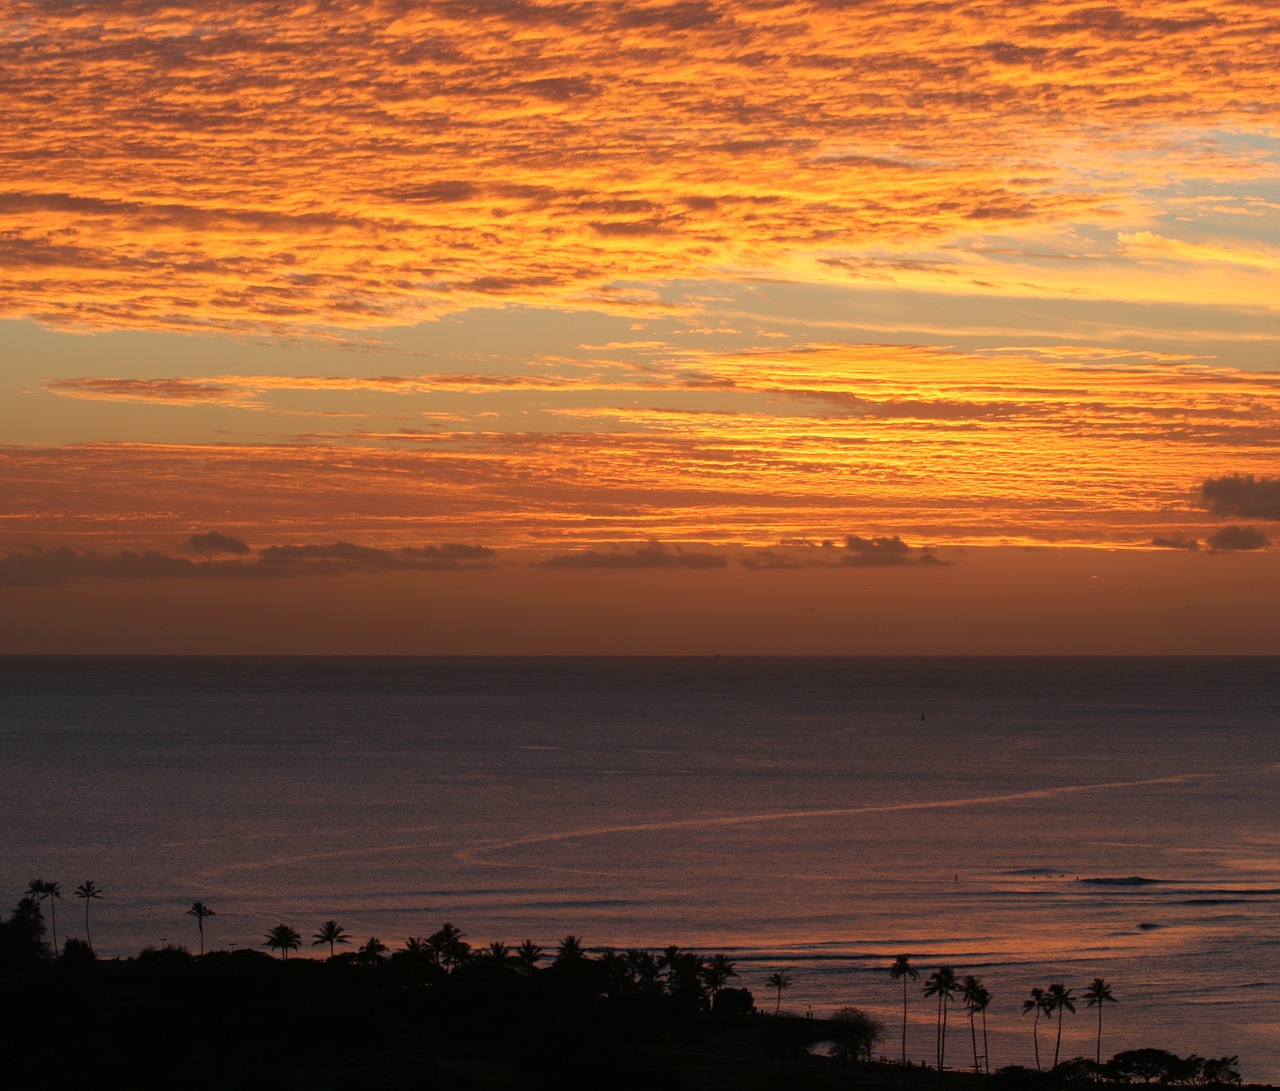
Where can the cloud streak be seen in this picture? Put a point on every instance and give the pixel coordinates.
(40, 568)
(183, 166)
(930, 444)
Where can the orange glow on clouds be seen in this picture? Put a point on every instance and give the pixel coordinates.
(634, 284)
(267, 166)
(817, 443)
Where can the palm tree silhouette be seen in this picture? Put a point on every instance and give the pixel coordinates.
(450, 949)
(371, 953)
(669, 960)
(331, 932)
(976, 999)
(527, 956)
(902, 970)
(53, 891)
(1060, 1000)
(717, 972)
(570, 950)
(284, 939)
(1039, 1003)
(39, 889)
(1097, 994)
(498, 951)
(88, 890)
(200, 911)
(943, 984)
(778, 981)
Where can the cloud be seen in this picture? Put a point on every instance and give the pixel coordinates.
(652, 555)
(348, 557)
(882, 552)
(1238, 538)
(233, 167)
(39, 568)
(1242, 495)
(36, 567)
(212, 543)
(1175, 541)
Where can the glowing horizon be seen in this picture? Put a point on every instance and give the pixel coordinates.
(583, 280)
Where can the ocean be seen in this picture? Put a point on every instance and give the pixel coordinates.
(1029, 821)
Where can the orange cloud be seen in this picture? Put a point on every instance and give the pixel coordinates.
(244, 167)
(937, 446)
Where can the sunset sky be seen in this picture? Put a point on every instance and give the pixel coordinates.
(892, 326)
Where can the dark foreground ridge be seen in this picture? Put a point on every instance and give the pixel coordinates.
(242, 1019)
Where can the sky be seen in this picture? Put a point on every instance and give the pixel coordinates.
(756, 327)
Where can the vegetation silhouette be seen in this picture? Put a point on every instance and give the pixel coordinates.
(88, 891)
(1097, 995)
(943, 984)
(40, 889)
(330, 932)
(977, 998)
(1061, 1001)
(903, 971)
(284, 939)
(438, 1013)
(779, 981)
(201, 912)
(1039, 1003)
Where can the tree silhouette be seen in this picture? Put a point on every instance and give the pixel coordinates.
(1060, 1000)
(1097, 994)
(499, 952)
(527, 956)
(41, 889)
(331, 932)
(570, 950)
(942, 983)
(284, 939)
(778, 981)
(87, 891)
(1039, 1003)
(200, 911)
(53, 891)
(450, 949)
(371, 953)
(976, 999)
(38, 889)
(902, 970)
(717, 972)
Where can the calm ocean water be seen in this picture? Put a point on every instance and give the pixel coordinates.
(1029, 821)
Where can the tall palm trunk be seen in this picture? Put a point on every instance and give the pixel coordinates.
(973, 1034)
(1035, 1037)
(904, 1019)
(1058, 1044)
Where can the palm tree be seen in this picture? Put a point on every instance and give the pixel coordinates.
(976, 999)
(1060, 1000)
(39, 890)
(284, 939)
(902, 970)
(570, 950)
(199, 910)
(331, 932)
(371, 953)
(669, 960)
(717, 972)
(1097, 994)
(778, 981)
(1039, 1003)
(53, 891)
(499, 952)
(87, 891)
(527, 956)
(451, 950)
(943, 984)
